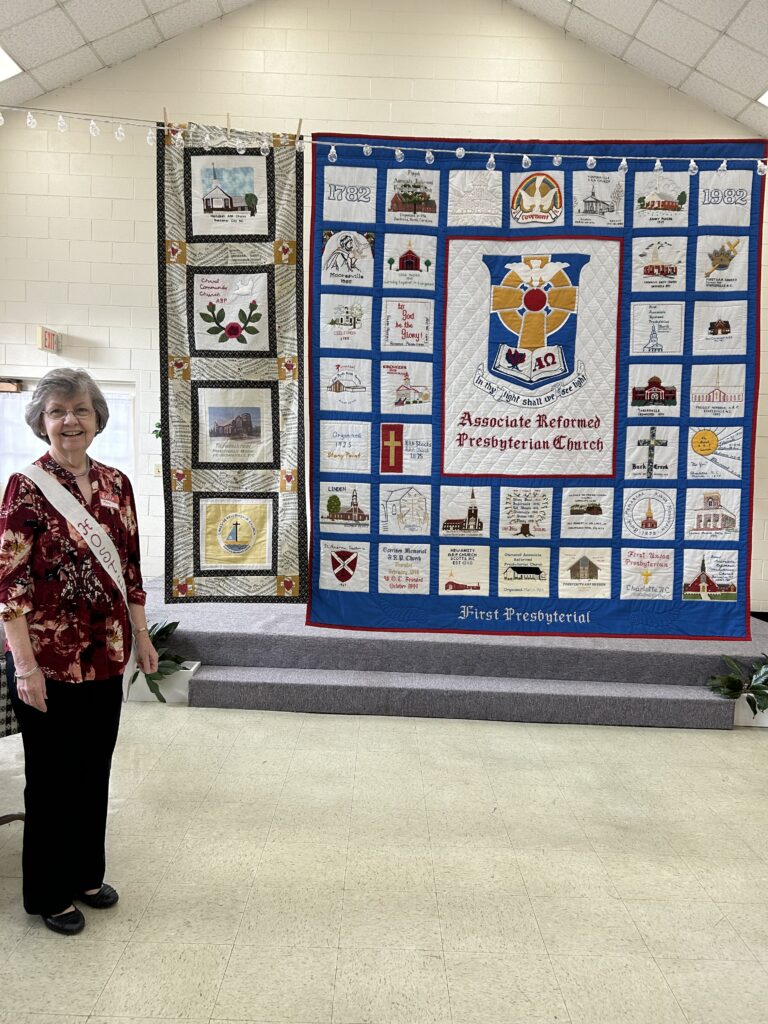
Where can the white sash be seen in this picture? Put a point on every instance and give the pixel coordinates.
(95, 536)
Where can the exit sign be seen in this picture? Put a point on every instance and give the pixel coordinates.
(48, 340)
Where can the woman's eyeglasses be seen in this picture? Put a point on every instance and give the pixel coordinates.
(81, 413)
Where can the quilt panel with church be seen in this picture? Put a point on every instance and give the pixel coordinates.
(230, 266)
(534, 384)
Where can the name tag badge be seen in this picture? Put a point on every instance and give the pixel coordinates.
(109, 501)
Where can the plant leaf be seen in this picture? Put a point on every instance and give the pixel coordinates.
(164, 631)
(242, 316)
(752, 703)
(167, 668)
(165, 660)
(251, 330)
(213, 330)
(207, 317)
(727, 685)
(737, 668)
(154, 688)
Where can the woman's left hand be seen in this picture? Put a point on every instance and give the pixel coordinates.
(146, 654)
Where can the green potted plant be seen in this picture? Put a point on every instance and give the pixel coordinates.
(173, 670)
(746, 683)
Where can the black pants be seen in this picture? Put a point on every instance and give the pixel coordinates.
(68, 756)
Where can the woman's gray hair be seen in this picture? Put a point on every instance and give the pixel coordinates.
(67, 383)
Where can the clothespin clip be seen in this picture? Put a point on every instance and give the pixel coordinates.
(229, 125)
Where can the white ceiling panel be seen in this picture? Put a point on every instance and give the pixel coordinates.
(155, 6)
(737, 66)
(597, 33)
(69, 68)
(40, 39)
(18, 89)
(657, 64)
(128, 42)
(553, 11)
(713, 50)
(751, 26)
(188, 15)
(714, 94)
(14, 11)
(717, 13)
(676, 34)
(622, 14)
(99, 19)
(756, 117)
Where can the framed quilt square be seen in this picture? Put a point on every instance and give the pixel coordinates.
(236, 534)
(229, 196)
(231, 311)
(234, 425)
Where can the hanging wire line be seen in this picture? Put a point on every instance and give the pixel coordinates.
(527, 157)
(428, 150)
(134, 122)
(138, 122)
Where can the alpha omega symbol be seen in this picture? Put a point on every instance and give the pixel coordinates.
(533, 298)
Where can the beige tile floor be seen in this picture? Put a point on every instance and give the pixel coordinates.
(307, 869)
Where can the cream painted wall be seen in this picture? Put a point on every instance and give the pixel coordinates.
(77, 214)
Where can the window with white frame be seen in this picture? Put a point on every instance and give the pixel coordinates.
(19, 447)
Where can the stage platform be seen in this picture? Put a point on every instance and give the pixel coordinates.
(264, 656)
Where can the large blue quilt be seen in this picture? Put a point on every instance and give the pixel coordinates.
(534, 383)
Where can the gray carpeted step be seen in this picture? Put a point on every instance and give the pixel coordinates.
(275, 636)
(453, 696)
(552, 658)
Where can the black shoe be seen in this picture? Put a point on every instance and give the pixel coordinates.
(65, 924)
(105, 897)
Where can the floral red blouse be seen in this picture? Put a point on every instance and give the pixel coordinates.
(77, 618)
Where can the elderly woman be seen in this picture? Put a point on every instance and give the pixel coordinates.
(68, 628)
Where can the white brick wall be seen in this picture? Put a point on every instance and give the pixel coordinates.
(77, 214)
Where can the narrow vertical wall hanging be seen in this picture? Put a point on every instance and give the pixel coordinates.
(534, 385)
(230, 291)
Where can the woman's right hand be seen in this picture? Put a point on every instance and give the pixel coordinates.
(32, 690)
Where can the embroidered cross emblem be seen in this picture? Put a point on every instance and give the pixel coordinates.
(651, 443)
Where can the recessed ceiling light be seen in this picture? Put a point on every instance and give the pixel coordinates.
(8, 66)
(763, 99)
